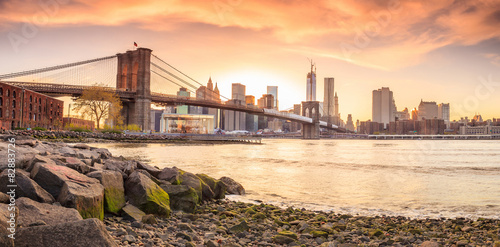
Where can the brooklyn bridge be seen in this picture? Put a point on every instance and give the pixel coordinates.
(141, 79)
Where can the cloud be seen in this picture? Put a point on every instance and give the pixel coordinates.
(385, 34)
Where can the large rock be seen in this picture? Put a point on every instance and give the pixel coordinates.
(182, 197)
(84, 233)
(7, 225)
(147, 195)
(87, 198)
(233, 187)
(24, 155)
(73, 163)
(150, 169)
(217, 186)
(31, 212)
(194, 182)
(114, 191)
(103, 153)
(131, 212)
(26, 187)
(171, 175)
(71, 188)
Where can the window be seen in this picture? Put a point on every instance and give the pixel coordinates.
(1, 111)
(8, 92)
(40, 108)
(14, 114)
(1, 91)
(1, 101)
(13, 103)
(31, 107)
(34, 117)
(39, 101)
(31, 98)
(13, 94)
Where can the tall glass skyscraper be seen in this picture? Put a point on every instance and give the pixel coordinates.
(311, 84)
(274, 91)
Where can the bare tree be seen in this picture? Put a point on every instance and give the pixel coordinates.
(99, 103)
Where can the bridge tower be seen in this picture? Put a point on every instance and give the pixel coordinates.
(134, 75)
(311, 109)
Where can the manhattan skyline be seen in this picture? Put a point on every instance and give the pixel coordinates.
(445, 52)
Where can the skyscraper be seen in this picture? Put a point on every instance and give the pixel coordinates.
(274, 91)
(238, 92)
(427, 110)
(444, 113)
(311, 84)
(350, 124)
(336, 105)
(383, 107)
(328, 100)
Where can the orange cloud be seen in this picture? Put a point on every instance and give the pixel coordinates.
(380, 34)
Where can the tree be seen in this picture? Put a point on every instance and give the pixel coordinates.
(97, 102)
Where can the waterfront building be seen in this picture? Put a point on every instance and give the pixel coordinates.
(273, 90)
(370, 128)
(27, 109)
(186, 123)
(479, 130)
(311, 84)
(383, 106)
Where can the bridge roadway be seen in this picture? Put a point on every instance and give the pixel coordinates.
(166, 99)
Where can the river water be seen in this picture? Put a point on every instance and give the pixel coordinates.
(414, 178)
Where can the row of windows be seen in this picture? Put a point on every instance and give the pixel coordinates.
(14, 95)
(29, 116)
(30, 106)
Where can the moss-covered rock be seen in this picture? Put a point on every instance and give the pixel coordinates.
(217, 186)
(147, 195)
(241, 227)
(182, 197)
(317, 234)
(114, 192)
(376, 232)
(289, 234)
(281, 239)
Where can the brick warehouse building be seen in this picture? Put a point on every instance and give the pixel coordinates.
(24, 108)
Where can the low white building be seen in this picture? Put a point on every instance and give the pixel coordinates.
(186, 123)
(479, 130)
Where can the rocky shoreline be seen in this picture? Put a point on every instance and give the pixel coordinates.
(77, 195)
(95, 137)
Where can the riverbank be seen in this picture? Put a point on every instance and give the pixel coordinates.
(65, 187)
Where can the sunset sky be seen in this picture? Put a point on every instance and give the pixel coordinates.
(444, 51)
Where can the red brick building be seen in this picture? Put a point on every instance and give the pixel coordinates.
(24, 108)
(77, 122)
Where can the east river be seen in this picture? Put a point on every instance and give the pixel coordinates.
(415, 178)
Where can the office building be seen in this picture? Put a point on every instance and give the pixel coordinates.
(328, 99)
(266, 101)
(444, 113)
(274, 91)
(311, 84)
(250, 100)
(427, 110)
(383, 106)
(350, 124)
(235, 120)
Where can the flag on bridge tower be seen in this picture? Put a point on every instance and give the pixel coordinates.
(135, 44)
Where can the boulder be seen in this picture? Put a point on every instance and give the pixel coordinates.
(86, 154)
(182, 197)
(114, 191)
(103, 153)
(73, 163)
(115, 165)
(6, 226)
(67, 151)
(24, 155)
(27, 142)
(233, 187)
(26, 187)
(217, 186)
(147, 195)
(31, 212)
(87, 198)
(38, 159)
(71, 188)
(150, 169)
(4, 198)
(83, 233)
(133, 213)
(171, 175)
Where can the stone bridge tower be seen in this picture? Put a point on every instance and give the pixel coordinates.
(311, 109)
(133, 74)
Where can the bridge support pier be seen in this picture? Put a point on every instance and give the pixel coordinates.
(311, 109)
(133, 74)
